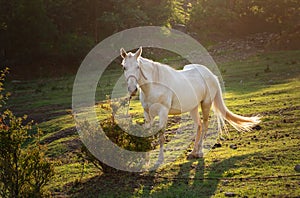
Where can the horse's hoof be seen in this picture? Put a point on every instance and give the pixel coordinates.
(200, 155)
(158, 164)
(191, 156)
(195, 156)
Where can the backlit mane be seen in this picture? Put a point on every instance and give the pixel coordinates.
(161, 65)
(157, 68)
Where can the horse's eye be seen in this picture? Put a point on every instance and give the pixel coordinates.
(124, 68)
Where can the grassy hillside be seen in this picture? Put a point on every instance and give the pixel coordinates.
(262, 163)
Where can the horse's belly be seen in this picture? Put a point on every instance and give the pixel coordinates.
(186, 98)
(175, 111)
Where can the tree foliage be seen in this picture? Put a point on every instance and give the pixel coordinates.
(25, 29)
(61, 32)
(240, 17)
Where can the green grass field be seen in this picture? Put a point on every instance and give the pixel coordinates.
(262, 165)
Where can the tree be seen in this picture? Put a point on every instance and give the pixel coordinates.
(241, 17)
(26, 29)
(127, 14)
(43, 33)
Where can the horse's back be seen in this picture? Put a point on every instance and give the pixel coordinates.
(202, 78)
(199, 69)
(187, 88)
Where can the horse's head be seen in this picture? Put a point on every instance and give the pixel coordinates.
(132, 70)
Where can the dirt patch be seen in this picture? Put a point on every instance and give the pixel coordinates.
(281, 111)
(43, 114)
(61, 134)
(74, 144)
(242, 48)
(114, 183)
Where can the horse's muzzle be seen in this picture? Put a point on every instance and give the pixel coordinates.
(133, 93)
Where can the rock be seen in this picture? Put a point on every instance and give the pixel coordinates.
(217, 145)
(222, 138)
(233, 146)
(230, 194)
(16, 81)
(225, 182)
(297, 168)
(257, 127)
(267, 70)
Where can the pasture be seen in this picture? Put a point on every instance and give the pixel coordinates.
(253, 164)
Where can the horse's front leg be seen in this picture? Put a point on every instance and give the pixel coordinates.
(147, 124)
(148, 120)
(163, 117)
(162, 112)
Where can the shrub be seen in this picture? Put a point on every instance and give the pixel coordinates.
(24, 168)
(118, 136)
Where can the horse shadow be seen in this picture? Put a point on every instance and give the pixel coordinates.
(193, 179)
(196, 179)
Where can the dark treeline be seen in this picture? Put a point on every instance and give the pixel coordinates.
(50, 34)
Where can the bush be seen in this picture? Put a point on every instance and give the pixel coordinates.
(24, 168)
(116, 135)
(120, 138)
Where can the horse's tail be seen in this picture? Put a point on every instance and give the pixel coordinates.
(240, 123)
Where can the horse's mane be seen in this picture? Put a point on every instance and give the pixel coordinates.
(158, 69)
(157, 64)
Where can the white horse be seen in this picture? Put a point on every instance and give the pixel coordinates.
(164, 91)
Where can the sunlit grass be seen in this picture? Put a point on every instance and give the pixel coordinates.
(269, 152)
(251, 89)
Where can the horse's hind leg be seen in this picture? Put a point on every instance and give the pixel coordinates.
(205, 106)
(201, 132)
(196, 153)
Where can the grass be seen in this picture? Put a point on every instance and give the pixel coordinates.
(262, 165)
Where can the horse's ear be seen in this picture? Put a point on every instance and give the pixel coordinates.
(138, 53)
(123, 53)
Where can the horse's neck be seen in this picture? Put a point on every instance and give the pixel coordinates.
(150, 71)
(154, 69)
(155, 73)
(147, 67)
